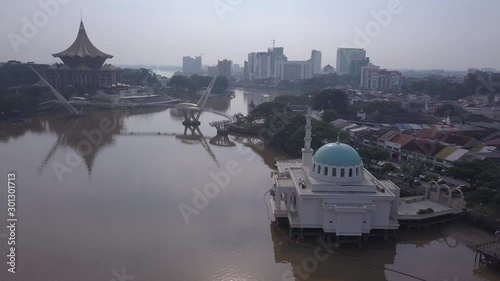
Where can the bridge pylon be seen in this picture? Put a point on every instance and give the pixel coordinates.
(191, 118)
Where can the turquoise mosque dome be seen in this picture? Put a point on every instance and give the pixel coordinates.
(337, 154)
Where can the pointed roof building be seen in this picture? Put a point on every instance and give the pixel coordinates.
(83, 52)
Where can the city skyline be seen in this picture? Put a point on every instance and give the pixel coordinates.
(413, 37)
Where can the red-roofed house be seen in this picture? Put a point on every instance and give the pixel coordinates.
(450, 138)
(395, 144)
(426, 133)
(421, 150)
(456, 139)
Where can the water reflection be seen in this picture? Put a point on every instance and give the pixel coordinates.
(258, 145)
(222, 140)
(86, 135)
(128, 216)
(176, 114)
(193, 135)
(12, 131)
(414, 253)
(305, 265)
(219, 103)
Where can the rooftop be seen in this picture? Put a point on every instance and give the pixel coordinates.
(401, 139)
(337, 154)
(423, 147)
(82, 47)
(426, 133)
(360, 188)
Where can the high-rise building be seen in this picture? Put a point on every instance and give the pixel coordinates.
(293, 70)
(237, 71)
(259, 65)
(375, 78)
(316, 62)
(191, 65)
(245, 70)
(277, 54)
(365, 70)
(298, 70)
(274, 64)
(213, 71)
(224, 67)
(350, 61)
(237, 68)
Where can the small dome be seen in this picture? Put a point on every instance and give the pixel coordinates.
(337, 154)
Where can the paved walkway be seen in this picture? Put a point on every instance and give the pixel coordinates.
(413, 207)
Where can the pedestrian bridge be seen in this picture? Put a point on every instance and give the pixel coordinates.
(223, 125)
(192, 112)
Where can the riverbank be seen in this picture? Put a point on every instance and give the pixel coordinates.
(468, 234)
(250, 129)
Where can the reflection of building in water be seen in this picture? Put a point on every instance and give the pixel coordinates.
(307, 263)
(87, 135)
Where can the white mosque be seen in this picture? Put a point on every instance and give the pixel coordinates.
(331, 192)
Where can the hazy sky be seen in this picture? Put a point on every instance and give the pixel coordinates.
(424, 34)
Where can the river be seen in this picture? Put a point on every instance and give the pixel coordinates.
(100, 198)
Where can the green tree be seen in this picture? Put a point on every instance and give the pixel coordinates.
(388, 167)
(19, 75)
(182, 82)
(384, 107)
(221, 84)
(469, 171)
(265, 111)
(240, 118)
(322, 133)
(329, 115)
(373, 153)
(286, 99)
(440, 88)
(331, 99)
(285, 128)
(199, 82)
(412, 170)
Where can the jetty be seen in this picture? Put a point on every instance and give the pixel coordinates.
(487, 255)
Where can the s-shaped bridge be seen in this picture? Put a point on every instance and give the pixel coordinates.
(192, 112)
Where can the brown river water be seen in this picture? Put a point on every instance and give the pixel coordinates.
(100, 198)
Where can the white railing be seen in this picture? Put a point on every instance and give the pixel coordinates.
(428, 216)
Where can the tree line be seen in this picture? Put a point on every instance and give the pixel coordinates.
(197, 82)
